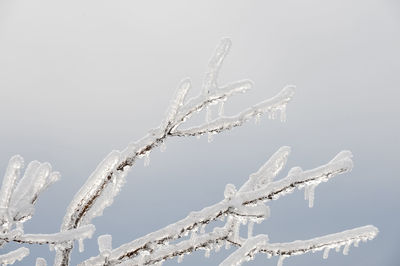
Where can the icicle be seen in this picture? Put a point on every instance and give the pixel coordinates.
(346, 248)
(210, 137)
(218, 247)
(257, 119)
(326, 253)
(227, 245)
(356, 242)
(337, 249)
(272, 113)
(309, 194)
(207, 252)
(221, 109)
(163, 147)
(280, 261)
(12, 174)
(41, 262)
(283, 113)
(180, 258)
(306, 192)
(147, 159)
(81, 245)
(250, 229)
(105, 245)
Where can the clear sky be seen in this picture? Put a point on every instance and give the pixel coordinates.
(81, 78)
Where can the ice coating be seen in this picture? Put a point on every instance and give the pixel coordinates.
(214, 65)
(105, 245)
(267, 171)
(260, 245)
(12, 174)
(97, 178)
(178, 101)
(13, 256)
(90, 201)
(240, 207)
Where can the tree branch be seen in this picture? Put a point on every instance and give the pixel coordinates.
(260, 244)
(110, 174)
(234, 204)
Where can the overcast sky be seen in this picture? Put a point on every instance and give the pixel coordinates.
(81, 78)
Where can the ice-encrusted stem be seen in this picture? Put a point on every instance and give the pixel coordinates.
(232, 206)
(80, 210)
(18, 195)
(259, 244)
(56, 238)
(13, 256)
(14, 167)
(225, 123)
(204, 241)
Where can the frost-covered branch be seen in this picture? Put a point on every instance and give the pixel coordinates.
(260, 243)
(108, 178)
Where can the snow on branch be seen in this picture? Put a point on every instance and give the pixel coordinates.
(333, 241)
(105, 182)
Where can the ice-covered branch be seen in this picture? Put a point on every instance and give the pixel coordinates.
(105, 182)
(244, 205)
(300, 179)
(333, 241)
(13, 256)
(56, 238)
(218, 125)
(17, 197)
(208, 241)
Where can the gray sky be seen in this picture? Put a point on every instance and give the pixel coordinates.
(80, 78)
